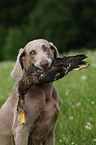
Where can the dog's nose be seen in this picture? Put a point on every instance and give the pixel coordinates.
(44, 63)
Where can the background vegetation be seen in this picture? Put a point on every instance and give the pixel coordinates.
(76, 124)
(69, 24)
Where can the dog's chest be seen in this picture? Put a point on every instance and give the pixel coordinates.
(45, 122)
(41, 112)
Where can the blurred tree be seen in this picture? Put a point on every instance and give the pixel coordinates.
(14, 41)
(14, 15)
(68, 24)
(15, 12)
(3, 34)
(49, 21)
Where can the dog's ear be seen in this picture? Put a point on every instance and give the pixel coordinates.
(54, 49)
(17, 70)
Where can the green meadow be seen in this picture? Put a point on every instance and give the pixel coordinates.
(76, 124)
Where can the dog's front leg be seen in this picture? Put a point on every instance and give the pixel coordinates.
(50, 140)
(19, 131)
(20, 136)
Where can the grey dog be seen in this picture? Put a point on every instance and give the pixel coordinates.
(42, 102)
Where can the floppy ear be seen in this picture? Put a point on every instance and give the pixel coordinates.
(54, 49)
(17, 70)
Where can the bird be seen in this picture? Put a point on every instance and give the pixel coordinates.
(59, 68)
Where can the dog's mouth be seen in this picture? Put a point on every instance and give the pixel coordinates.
(44, 64)
(43, 67)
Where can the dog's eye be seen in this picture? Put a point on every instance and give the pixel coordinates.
(33, 52)
(46, 49)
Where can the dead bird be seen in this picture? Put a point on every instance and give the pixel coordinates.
(59, 68)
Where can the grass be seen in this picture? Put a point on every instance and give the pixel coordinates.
(77, 120)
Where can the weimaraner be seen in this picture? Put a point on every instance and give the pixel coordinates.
(42, 102)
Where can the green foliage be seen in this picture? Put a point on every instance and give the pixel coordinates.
(15, 12)
(49, 21)
(14, 41)
(68, 24)
(77, 120)
(3, 34)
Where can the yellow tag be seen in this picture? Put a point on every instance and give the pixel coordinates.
(22, 114)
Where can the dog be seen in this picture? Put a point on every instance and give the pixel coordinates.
(42, 102)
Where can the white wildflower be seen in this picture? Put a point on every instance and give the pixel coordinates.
(70, 103)
(83, 77)
(94, 139)
(73, 106)
(88, 126)
(60, 141)
(65, 139)
(71, 117)
(78, 104)
(67, 92)
(92, 102)
(88, 123)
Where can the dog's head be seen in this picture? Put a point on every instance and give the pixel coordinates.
(38, 52)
